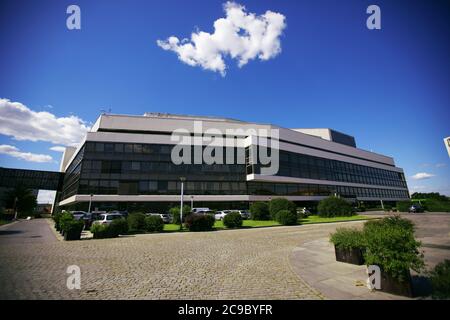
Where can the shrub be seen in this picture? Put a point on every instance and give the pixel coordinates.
(260, 211)
(136, 222)
(286, 217)
(348, 238)
(335, 207)
(403, 206)
(65, 218)
(175, 212)
(56, 217)
(200, 222)
(278, 204)
(440, 280)
(233, 220)
(391, 245)
(72, 229)
(154, 224)
(117, 227)
(100, 231)
(434, 205)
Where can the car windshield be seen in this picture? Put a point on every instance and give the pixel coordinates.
(101, 217)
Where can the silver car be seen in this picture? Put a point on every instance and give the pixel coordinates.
(107, 218)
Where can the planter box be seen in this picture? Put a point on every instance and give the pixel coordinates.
(72, 236)
(353, 255)
(392, 285)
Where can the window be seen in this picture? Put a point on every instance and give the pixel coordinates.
(118, 147)
(109, 147)
(135, 166)
(128, 148)
(99, 147)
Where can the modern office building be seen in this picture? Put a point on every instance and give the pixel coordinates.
(128, 160)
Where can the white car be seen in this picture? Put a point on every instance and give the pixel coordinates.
(221, 214)
(195, 210)
(107, 218)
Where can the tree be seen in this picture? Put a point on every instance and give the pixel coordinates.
(21, 199)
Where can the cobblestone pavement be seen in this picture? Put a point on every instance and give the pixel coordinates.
(234, 264)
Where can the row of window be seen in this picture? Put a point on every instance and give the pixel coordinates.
(117, 166)
(159, 187)
(310, 167)
(257, 188)
(230, 188)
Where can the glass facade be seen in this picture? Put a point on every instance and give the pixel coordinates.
(147, 169)
(311, 167)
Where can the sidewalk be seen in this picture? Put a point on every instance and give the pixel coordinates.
(315, 263)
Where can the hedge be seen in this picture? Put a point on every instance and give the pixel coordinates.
(260, 211)
(286, 217)
(335, 207)
(348, 238)
(200, 222)
(278, 204)
(233, 220)
(136, 222)
(154, 224)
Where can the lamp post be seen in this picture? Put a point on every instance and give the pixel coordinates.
(182, 179)
(90, 203)
(15, 208)
(192, 203)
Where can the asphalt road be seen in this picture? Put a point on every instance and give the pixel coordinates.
(27, 231)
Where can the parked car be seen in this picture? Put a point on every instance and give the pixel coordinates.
(197, 210)
(245, 214)
(77, 215)
(123, 213)
(415, 208)
(221, 214)
(107, 218)
(166, 218)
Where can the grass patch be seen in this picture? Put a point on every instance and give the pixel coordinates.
(250, 224)
(218, 225)
(316, 219)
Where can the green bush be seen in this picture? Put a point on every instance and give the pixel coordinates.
(200, 222)
(233, 220)
(100, 231)
(434, 205)
(440, 280)
(117, 227)
(72, 229)
(65, 218)
(175, 212)
(154, 224)
(259, 211)
(403, 206)
(56, 217)
(335, 207)
(348, 238)
(136, 222)
(278, 204)
(286, 217)
(391, 245)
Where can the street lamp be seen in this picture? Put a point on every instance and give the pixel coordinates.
(15, 208)
(90, 202)
(182, 179)
(192, 203)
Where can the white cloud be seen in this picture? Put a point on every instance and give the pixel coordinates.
(58, 148)
(46, 196)
(422, 176)
(27, 156)
(240, 35)
(22, 123)
(441, 165)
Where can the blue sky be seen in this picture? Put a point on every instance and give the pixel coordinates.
(389, 88)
